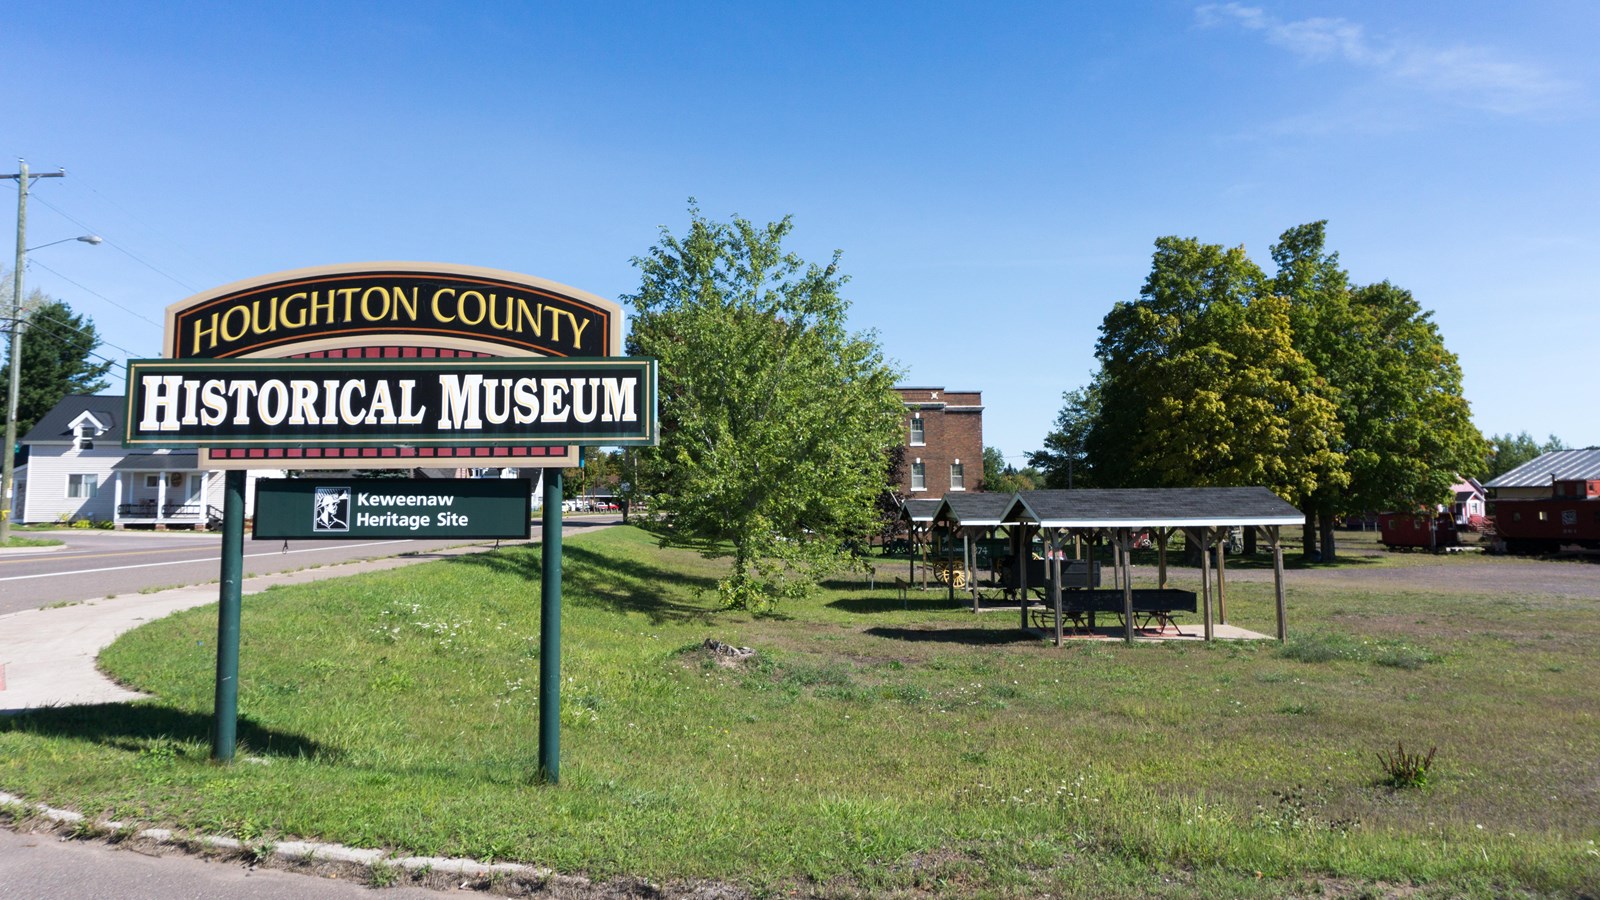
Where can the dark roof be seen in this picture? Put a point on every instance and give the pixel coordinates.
(1153, 507)
(1557, 465)
(974, 509)
(177, 461)
(55, 426)
(919, 510)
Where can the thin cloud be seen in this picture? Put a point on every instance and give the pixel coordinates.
(1469, 76)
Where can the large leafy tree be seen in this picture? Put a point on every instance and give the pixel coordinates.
(775, 417)
(1200, 383)
(58, 359)
(1406, 429)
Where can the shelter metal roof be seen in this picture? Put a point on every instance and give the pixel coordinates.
(1153, 508)
(919, 510)
(1557, 465)
(974, 510)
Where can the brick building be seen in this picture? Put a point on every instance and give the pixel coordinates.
(944, 441)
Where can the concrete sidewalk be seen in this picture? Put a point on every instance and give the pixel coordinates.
(47, 656)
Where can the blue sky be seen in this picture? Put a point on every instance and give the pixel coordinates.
(994, 173)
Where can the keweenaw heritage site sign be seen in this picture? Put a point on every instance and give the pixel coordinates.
(351, 509)
(391, 365)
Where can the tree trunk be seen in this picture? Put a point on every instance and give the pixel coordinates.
(1308, 533)
(1329, 550)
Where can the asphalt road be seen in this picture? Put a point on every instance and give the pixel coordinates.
(47, 867)
(97, 564)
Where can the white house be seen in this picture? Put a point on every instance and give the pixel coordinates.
(78, 469)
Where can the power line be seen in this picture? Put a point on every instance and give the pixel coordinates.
(33, 262)
(125, 251)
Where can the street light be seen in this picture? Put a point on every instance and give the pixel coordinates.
(23, 179)
(86, 238)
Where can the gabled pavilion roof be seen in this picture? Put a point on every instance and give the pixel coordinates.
(919, 511)
(975, 510)
(1152, 508)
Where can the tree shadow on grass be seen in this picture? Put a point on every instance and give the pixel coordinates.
(132, 726)
(881, 604)
(973, 636)
(589, 578)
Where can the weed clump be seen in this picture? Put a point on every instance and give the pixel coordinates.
(1403, 770)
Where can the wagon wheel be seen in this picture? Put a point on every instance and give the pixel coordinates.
(960, 579)
(941, 573)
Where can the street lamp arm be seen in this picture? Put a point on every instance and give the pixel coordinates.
(86, 238)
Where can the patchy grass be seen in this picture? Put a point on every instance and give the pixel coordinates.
(15, 541)
(865, 748)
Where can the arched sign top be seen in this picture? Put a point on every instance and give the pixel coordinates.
(420, 304)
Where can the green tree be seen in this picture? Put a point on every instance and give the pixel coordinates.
(58, 359)
(1200, 383)
(775, 418)
(1064, 463)
(1505, 452)
(1406, 432)
(1000, 477)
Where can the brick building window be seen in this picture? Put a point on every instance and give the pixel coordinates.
(916, 430)
(958, 479)
(919, 476)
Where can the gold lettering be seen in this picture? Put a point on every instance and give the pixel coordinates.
(494, 321)
(438, 314)
(527, 317)
(366, 309)
(244, 327)
(349, 295)
(255, 317)
(461, 307)
(283, 312)
(555, 322)
(321, 304)
(408, 303)
(201, 331)
(577, 331)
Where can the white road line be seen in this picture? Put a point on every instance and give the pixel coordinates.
(179, 562)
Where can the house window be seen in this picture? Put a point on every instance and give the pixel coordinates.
(85, 438)
(919, 476)
(152, 481)
(916, 430)
(958, 479)
(82, 487)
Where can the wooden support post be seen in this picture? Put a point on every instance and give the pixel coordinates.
(1162, 535)
(969, 559)
(1205, 580)
(1125, 550)
(1023, 548)
(1277, 585)
(1053, 553)
(1222, 577)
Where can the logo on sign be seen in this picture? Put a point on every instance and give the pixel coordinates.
(331, 510)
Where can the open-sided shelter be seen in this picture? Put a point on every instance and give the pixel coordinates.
(1204, 515)
(971, 517)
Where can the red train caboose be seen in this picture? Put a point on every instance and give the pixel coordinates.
(1417, 531)
(1570, 516)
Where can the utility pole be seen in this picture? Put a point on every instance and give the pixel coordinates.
(6, 501)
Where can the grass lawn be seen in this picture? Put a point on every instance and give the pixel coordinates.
(17, 540)
(867, 749)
